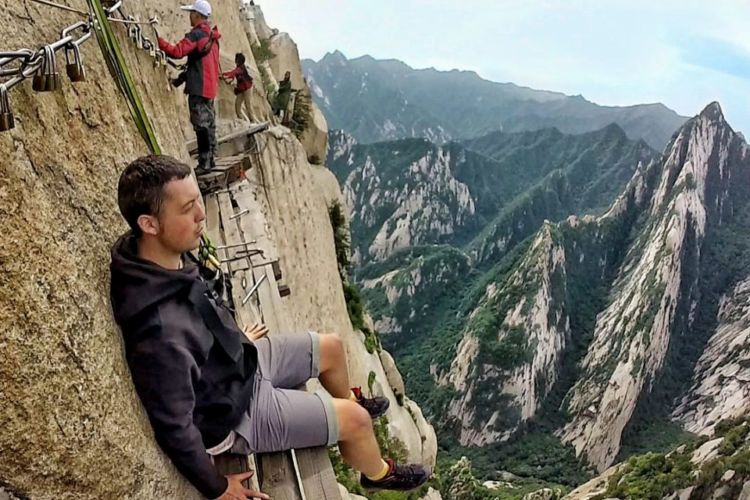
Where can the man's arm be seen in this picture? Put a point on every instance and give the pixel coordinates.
(232, 74)
(163, 374)
(182, 48)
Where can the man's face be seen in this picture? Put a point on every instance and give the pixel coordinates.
(181, 216)
(195, 18)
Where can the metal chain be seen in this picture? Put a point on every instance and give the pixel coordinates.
(23, 63)
(20, 65)
(29, 62)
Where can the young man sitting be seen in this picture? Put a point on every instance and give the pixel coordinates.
(207, 386)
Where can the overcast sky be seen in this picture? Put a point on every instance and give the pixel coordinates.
(683, 53)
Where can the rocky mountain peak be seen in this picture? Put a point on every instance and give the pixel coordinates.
(713, 112)
(336, 57)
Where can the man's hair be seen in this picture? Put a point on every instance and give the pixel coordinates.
(141, 187)
(239, 58)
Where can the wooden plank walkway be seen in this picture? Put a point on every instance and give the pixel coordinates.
(235, 143)
(234, 219)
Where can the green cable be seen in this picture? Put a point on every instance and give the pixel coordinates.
(119, 70)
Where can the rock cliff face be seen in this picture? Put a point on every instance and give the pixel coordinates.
(622, 307)
(711, 468)
(295, 209)
(721, 381)
(598, 325)
(68, 411)
(654, 320)
(496, 189)
(503, 372)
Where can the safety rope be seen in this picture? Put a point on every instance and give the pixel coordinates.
(119, 71)
(61, 7)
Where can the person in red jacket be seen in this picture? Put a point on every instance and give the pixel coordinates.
(201, 47)
(243, 89)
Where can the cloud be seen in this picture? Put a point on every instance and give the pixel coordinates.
(717, 55)
(684, 53)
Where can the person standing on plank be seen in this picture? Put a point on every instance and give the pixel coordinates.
(243, 88)
(201, 47)
(283, 96)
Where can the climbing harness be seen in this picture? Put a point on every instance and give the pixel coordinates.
(207, 253)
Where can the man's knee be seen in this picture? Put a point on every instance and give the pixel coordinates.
(332, 342)
(332, 349)
(354, 421)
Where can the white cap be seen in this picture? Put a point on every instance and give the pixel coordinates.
(200, 6)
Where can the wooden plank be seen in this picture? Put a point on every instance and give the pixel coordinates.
(242, 160)
(253, 223)
(277, 478)
(232, 233)
(233, 143)
(318, 477)
(239, 274)
(227, 171)
(249, 313)
(229, 463)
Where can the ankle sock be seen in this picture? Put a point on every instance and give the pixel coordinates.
(383, 472)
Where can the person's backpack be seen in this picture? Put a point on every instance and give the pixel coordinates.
(244, 77)
(212, 38)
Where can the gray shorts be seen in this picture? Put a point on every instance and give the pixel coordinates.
(280, 416)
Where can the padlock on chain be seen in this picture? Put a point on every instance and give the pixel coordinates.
(74, 68)
(54, 82)
(47, 79)
(7, 121)
(38, 82)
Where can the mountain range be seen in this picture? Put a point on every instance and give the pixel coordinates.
(379, 100)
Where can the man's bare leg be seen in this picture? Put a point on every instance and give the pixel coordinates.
(333, 372)
(357, 442)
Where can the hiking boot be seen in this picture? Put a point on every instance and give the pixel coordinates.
(376, 406)
(202, 170)
(399, 477)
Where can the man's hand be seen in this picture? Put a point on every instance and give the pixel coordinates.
(256, 332)
(154, 21)
(235, 490)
